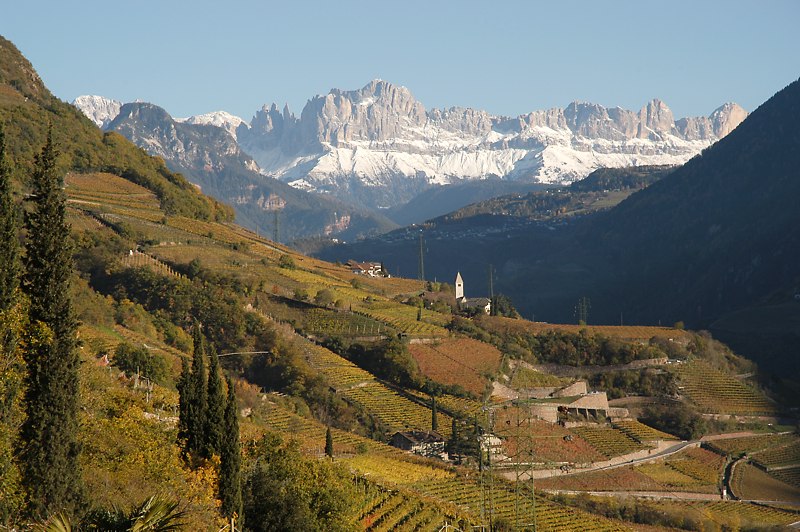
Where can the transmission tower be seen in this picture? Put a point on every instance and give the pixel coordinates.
(512, 420)
(277, 234)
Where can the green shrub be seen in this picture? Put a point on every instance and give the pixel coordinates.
(150, 364)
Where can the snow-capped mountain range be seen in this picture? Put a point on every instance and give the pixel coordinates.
(379, 146)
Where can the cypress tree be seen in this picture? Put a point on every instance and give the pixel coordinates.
(230, 474)
(198, 404)
(434, 417)
(329, 443)
(49, 447)
(9, 245)
(454, 445)
(185, 398)
(215, 413)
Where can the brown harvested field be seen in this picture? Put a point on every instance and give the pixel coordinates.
(460, 361)
(633, 332)
(539, 441)
(617, 479)
(751, 483)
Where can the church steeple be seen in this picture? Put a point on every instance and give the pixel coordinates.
(459, 286)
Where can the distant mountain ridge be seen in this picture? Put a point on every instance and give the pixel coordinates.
(203, 149)
(379, 147)
(715, 244)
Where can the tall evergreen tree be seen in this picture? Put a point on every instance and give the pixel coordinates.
(198, 405)
(434, 415)
(230, 474)
(185, 398)
(329, 443)
(9, 245)
(49, 436)
(215, 412)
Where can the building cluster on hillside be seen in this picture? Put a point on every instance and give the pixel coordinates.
(425, 443)
(370, 269)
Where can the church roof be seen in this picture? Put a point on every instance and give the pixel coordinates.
(476, 301)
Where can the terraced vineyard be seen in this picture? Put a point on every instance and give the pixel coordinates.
(329, 322)
(670, 479)
(636, 333)
(394, 410)
(641, 432)
(523, 511)
(717, 392)
(462, 406)
(112, 192)
(523, 378)
(692, 470)
(608, 441)
(410, 493)
(385, 475)
(616, 479)
(136, 259)
(80, 221)
(386, 510)
(458, 361)
(751, 444)
(732, 513)
(548, 443)
(404, 318)
(789, 475)
(340, 372)
(779, 456)
(701, 464)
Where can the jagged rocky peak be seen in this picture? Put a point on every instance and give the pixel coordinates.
(589, 120)
(377, 112)
(726, 118)
(147, 114)
(656, 120)
(463, 120)
(99, 109)
(223, 119)
(722, 121)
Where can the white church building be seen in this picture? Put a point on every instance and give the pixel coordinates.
(483, 303)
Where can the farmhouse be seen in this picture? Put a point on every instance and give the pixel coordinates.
(371, 269)
(425, 443)
(482, 303)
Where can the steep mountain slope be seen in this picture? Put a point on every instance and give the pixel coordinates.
(379, 146)
(715, 243)
(27, 108)
(440, 200)
(722, 233)
(208, 155)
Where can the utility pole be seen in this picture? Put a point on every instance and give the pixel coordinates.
(421, 258)
(493, 307)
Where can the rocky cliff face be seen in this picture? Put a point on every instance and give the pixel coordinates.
(100, 110)
(193, 146)
(379, 147)
(204, 149)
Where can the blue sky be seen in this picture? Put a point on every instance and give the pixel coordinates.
(505, 57)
